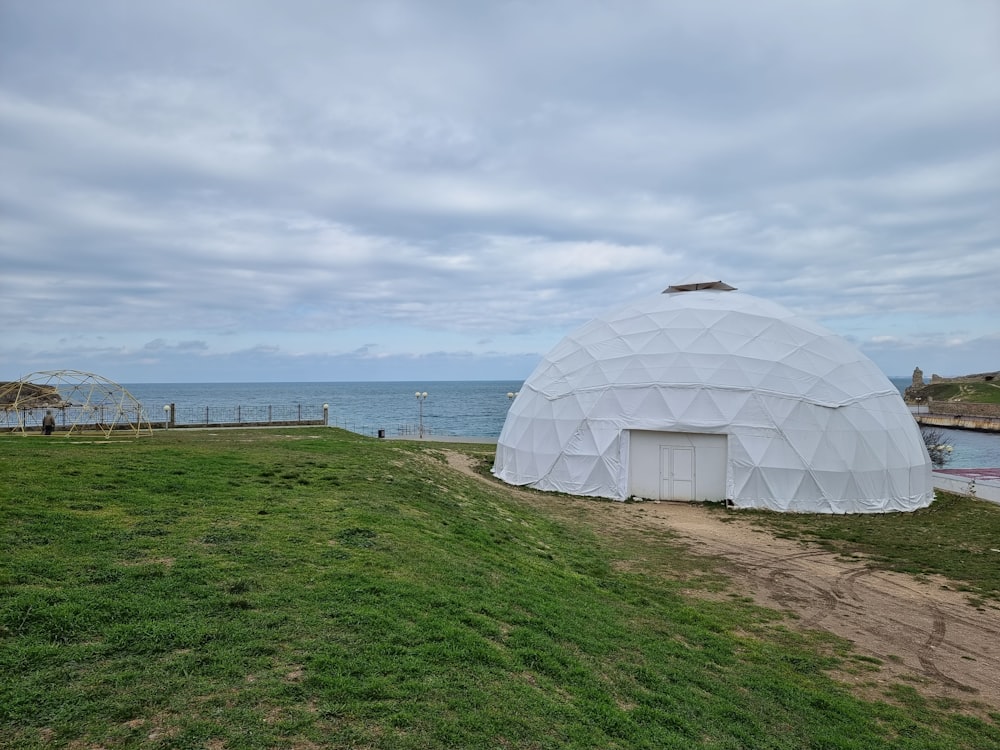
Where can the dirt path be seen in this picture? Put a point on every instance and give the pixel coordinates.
(922, 633)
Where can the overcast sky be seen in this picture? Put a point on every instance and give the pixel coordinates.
(241, 190)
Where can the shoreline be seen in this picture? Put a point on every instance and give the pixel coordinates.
(955, 422)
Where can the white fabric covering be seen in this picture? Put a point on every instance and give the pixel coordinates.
(812, 424)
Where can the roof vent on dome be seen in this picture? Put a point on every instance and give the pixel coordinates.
(697, 286)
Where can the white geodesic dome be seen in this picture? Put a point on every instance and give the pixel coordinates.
(704, 393)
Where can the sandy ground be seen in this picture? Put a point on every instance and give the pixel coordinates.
(924, 634)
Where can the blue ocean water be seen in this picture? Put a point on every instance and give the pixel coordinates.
(970, 449)
(474, 408)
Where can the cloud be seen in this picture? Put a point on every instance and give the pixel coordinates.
(163, 346)
(253, 182)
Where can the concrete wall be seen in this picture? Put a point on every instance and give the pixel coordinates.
(963, 408)
(955, 422)
(981, 377)
(988, 490)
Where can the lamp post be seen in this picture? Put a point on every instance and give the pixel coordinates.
(420, 400)
(166, 416)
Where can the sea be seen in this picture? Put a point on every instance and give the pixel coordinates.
(469, 408)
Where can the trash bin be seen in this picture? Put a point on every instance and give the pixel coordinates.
(381, 433)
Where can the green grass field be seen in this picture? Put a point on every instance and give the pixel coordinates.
(983, 393)
(309, 588)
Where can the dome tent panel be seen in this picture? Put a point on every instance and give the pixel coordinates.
(608, 350)
(583, 442)
(638, 327)
(586, 474)
(679, 336)
(703, 411)
(619, 405)
(666, 405)
(708, 347)
(749, 372)
(812, 425)
(809, 487)
(839, 483)
(643, 370)
(779, 335)
(744, 329)
(617, 369)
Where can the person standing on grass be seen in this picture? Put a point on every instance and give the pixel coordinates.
(48, 423)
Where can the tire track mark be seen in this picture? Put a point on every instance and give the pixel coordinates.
(920, 628)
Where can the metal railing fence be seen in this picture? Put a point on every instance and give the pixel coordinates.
(191, 416)
(180, 416)
(104, 417)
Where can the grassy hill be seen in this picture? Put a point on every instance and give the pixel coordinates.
(988, 393)
(311, 588)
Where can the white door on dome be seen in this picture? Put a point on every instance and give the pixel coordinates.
(676, 473)
(697, 471)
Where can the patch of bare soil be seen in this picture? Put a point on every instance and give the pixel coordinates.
(923, 633)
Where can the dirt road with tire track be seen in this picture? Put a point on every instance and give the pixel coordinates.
(923, 632)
